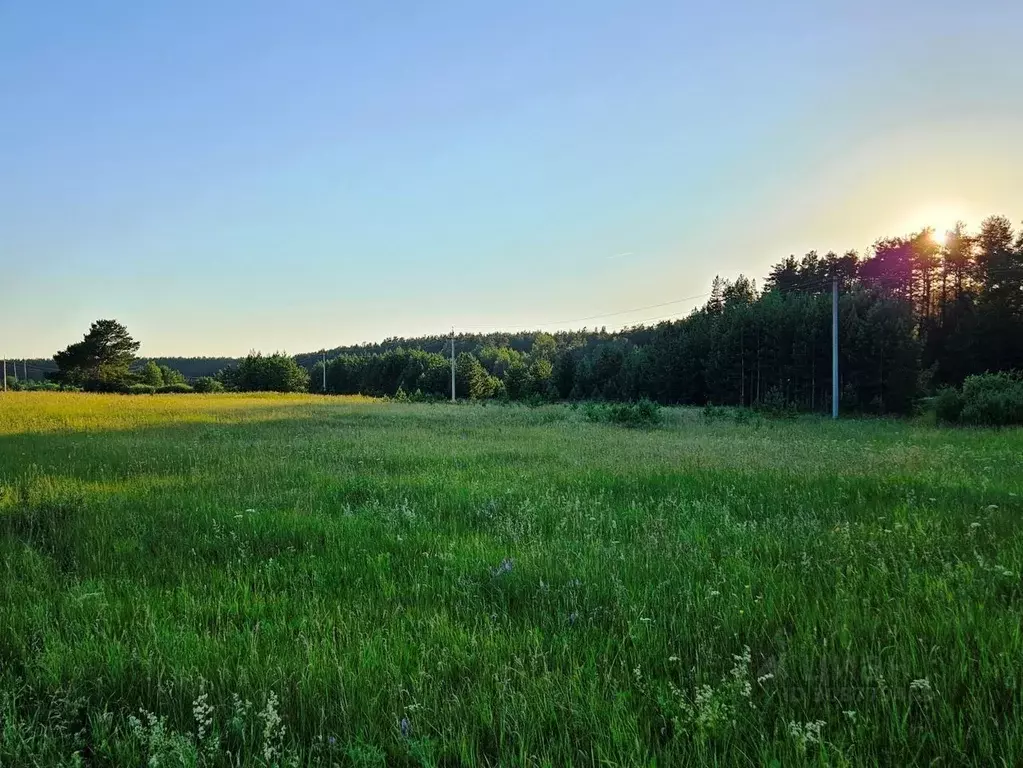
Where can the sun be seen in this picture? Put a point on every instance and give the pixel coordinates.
(940, 218)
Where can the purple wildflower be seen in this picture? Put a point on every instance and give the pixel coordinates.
(406, 727)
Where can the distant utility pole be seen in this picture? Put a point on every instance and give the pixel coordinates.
(834, 347)
(324, 371)
(452, 365)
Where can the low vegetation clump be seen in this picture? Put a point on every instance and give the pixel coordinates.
(174, 389)
(987, 400)
(207, 385)
(640, 414)
(33, 385)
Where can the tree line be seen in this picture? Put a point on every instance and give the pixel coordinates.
(916, 313)
(105, 361)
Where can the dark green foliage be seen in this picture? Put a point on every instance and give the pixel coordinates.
(172, 389)
(749, 416)
(101, 359)
(713, 413)
(151, 375)
(993, 400)
(472, 380)
(644, 413)
(265, 373)
(171, 376)
(207, 384)
(383, 374)
(775, 405)
(948, 405)
(34, 385)
(986, 400)
(140, 389)
(106, 385)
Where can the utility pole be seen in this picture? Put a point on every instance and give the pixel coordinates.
(324, 371)
(24, 364)
(834, 347)
(5, 375)
(452, 365)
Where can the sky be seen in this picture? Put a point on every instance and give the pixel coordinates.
(230, 176)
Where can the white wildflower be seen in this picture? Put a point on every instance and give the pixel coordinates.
(923, 685)
(202, 711)
(273, 729)
(806, 733)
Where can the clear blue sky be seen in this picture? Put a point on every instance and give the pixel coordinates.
(223, 176)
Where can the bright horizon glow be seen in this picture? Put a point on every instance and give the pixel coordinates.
(941, 218)
(229, 176)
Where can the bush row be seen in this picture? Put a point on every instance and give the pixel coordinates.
(986, 400)
(149, 389)
(644, 413)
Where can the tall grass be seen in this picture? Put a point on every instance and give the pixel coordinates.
(269, 580)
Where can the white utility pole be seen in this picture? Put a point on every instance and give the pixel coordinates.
(324, 371)
(452, 365)
(834, 347)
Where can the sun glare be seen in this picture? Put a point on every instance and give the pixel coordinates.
(941, 219)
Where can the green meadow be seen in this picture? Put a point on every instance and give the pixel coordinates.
(232, 580)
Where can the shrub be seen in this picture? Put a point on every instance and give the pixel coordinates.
(948, 405)
(207, 384)
(715, 412)
(775, 405)
(266, 373)
(992, 400)
(747, 416)
(105, 386)
(535, 400)
(641, 414)
(140, 389)
(35, 385)
(169, 389)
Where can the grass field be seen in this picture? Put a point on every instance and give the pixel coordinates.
(263, 580)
